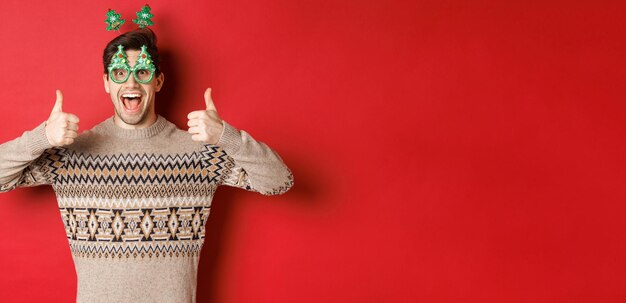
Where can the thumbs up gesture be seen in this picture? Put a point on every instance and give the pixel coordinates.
(61, 128)
(205, 125)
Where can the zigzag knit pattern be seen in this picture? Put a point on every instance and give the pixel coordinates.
(134, 203)
(145, 168)
(133, 178)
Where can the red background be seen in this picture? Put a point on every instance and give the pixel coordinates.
(443, 151)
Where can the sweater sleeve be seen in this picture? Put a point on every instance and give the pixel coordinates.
(28, 160)
(256, 167)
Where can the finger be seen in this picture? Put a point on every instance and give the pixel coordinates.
(70, 134)
(58, 104)
(193, 122)
(197, 114)
(72, 126)
(67, 141)
(72, 118)
(197, 137)
(208, 100)
(194, 130)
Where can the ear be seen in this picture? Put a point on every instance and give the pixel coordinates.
(159, 81)
(105, 77)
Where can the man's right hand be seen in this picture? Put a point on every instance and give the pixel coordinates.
(61, 128)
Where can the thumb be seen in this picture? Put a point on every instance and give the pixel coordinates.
(208, 100)
(58, 105)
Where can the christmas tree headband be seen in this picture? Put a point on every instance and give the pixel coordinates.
(119, 69)
(114, 20)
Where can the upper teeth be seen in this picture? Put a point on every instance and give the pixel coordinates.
(131, 95)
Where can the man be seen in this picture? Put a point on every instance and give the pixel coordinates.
(134, 192)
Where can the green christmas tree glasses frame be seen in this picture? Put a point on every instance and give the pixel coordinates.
(119, 70)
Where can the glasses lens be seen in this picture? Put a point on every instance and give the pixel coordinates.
(143, 75)
(119, 74)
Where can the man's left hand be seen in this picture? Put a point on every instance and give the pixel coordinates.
(205, 125)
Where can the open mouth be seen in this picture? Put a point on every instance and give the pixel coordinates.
(131, 101)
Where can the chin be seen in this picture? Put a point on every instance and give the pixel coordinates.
(132, 119)
(135, 119)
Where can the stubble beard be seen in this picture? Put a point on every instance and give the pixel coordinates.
(131, 120)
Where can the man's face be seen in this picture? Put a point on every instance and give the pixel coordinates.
(133, 101)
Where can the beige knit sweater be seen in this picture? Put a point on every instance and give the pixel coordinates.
(135, 202)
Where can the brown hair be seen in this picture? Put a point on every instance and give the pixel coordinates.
(133, 40)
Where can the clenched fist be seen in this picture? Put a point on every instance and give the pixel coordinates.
(205, 125)
(61, 128)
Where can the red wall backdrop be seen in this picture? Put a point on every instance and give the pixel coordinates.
(443, 151)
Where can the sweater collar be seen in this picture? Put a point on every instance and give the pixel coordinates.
(140, 133)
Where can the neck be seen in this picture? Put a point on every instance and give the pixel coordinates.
(135, 133)
(144, 123)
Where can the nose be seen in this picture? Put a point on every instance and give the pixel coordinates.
(131, 82)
